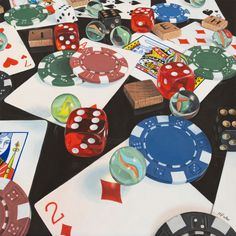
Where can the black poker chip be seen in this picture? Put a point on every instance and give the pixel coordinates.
(194, 224)
(5, 85)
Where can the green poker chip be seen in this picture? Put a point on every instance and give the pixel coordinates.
(54, 69)
(210, 62)
(25, 15)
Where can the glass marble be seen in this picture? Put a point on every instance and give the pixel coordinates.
(63, 105)
(3, 41)
(93, 7)
(120, 36)
(222, 38)
(197, 3)
(184, 104)
(95, 30)
(128, 166)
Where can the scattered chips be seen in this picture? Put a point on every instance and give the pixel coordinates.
(5, 85)
(15, 213)
(54, 69)
(212, 63)
(25, 15)
(176, 149)
(99, 65)
(170, 12)
(195, 223)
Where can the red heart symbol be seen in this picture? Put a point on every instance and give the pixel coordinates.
(23, 56)
(8, 46)
(1, 30)
(10, 62)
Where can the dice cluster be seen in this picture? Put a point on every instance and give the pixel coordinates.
(226, 129)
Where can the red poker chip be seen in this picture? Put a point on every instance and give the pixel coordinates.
(98, 65)
(15, 213)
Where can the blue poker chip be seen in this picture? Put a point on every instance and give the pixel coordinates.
(177, 150)
(170, 12)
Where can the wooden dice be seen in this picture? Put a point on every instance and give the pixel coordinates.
(77, 3)
(142, 94)
(166, 31)
(40, 38)
(214, 23)
(1, 9)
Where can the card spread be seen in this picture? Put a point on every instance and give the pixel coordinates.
(20, 147)
(89, 94)
(15, 57)
(92, 203)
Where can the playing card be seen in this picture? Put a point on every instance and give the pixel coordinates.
(124, 7)
(155, 51)
(49, 21)
(224, 206)
(210, 8)
(15, 57)
(92, 203)
(20, 147)
(89, 94)
(195, 35)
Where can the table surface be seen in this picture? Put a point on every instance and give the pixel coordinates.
(56, 165)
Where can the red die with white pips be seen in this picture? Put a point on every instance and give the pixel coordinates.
(174, 76)
(67, 36)
(86, 132)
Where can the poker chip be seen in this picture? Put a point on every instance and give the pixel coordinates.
(195, 223)
(176, 149)
(25, 15)
(54, 69)
(210, 62)
(99, 65)
(170, 12)
(5, 85)
(14, 209)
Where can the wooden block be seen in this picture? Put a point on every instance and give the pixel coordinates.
(142, 94)
(40, 38)
(77, 3)
(166, 31)
(1, 9)
(214, 23)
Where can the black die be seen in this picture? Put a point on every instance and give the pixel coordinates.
(110, 18)
(226, 129)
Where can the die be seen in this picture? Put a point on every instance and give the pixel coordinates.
(86, 132)
(226, 129)
(142, 19)
(110, 18)
(66, 36)
(174, 76)
(214, 23)
(1, 9)
(64, 13)
(77, 3)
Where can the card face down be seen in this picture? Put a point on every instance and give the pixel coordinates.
(20, 147)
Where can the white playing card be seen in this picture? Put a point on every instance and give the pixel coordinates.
(124, 7)
(15, 57)
(49, 21)
(81, 204)
(89, 94)
(195, 35)
(20, 147)
(224, 206)
(143, 44)
(209, 8)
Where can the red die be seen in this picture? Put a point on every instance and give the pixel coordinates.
(142, 19)
(172, 77)
(86, 132)
(67, 36)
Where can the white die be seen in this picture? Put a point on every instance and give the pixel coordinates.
(64, 13)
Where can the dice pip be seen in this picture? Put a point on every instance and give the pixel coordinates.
(110, 18)
(86, 132)
(142, 19)
(226, 129)
(66, 36)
